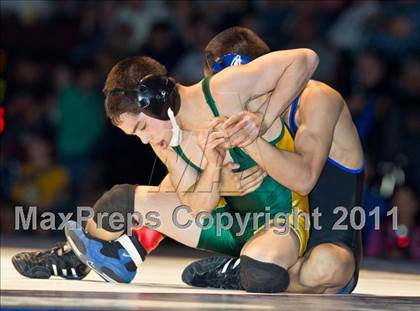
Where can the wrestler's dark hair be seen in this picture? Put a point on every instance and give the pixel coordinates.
(126, 75)
(237, 40)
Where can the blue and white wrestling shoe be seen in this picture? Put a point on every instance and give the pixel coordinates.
(114, 261)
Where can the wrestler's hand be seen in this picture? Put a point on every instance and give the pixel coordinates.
(243, 128)
(213, 143)
(240, 183)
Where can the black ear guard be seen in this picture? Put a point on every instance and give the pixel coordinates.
(156, 94)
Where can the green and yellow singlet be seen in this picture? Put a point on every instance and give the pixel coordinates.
(271, 197)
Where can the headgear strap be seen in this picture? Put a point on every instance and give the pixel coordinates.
(228, 60)
(158, 97)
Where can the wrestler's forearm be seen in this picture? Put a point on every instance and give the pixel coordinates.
(287, 168)
(205, 193)
(290, 84)
(166, 184)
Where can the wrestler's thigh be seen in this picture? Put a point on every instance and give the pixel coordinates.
(273, 246)
(174, 218)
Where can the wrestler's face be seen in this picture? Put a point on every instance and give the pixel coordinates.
(149, 130)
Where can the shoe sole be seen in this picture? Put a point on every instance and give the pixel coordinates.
(79, 249)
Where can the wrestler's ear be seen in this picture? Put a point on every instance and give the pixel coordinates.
(209, 60)
(207, 72)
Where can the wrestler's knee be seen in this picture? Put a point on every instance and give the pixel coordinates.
(262, 277)
(282, 250)
(327, 265)
(112, 211)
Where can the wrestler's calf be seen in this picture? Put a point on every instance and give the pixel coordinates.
(327, 266)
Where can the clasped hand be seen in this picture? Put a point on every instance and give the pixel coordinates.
(223, 133)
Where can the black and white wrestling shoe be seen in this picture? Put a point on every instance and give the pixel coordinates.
(58, 261)
(214, 272)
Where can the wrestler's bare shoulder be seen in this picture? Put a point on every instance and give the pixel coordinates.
(320, 91)
(238, 79)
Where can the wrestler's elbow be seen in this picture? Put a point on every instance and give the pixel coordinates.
(299, 184)
(311, 60)
(306, 183)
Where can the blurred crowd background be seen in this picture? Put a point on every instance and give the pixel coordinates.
(58, 151)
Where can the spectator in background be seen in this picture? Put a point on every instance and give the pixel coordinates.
(80, 125)
(27, 12)
(39, 179)
(181, 12)
(306, 32)
(370, 100)
(95, 27)
(372, 198)
(139, 16)
(276, 18)
(189, 68)
(400, 243)
(348, 31)
(406, 140)
(163, 45)
(232, 13)
(396, 30)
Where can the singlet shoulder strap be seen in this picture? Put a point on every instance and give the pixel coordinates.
(205, 85)
(280, 136)
(292, 123)
(181, 153)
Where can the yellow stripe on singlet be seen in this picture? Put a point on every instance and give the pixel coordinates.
(299, 203)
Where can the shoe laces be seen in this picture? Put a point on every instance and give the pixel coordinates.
(59, 249)
(55, 256)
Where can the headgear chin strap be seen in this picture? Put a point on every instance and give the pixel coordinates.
(228, 60)
(176, 131)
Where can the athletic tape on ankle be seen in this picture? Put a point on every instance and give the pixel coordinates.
(131, 249)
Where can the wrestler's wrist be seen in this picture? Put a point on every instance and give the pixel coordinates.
(263, 124)
(252, 147)
(213, 167)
